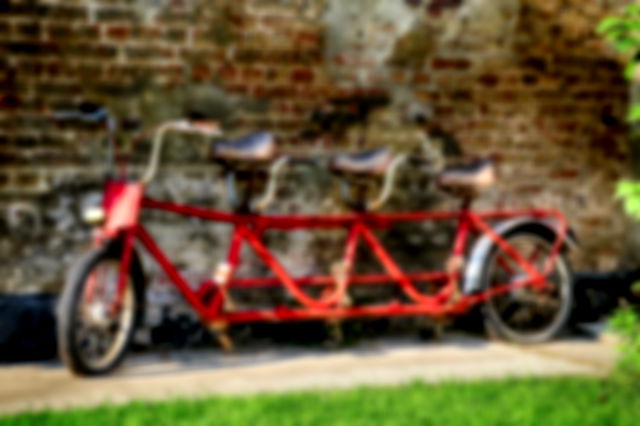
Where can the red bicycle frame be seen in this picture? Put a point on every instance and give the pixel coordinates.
(124, 201)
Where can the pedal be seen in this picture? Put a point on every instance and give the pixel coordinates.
(220, 328)
(336, 336)
(339, 274)
(438, 330)
(221, 276)
(228, 304)
(454, 266)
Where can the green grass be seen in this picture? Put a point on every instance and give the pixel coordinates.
(574, 401)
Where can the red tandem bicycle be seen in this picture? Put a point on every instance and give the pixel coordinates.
(511, 263)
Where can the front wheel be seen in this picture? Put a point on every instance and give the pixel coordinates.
(527, 315)
(92, 339)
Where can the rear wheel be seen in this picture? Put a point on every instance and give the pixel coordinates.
(92, 339)
(527, 314)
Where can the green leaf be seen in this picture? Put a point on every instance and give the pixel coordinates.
(626, 44)
(634, 113)
(607, 24)
(629, 70)
(625, 188)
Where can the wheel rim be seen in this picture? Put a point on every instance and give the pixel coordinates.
(527, 312)
(99, 335)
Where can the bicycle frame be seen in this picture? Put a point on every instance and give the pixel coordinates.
(124, 200)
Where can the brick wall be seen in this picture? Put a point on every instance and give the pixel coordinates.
(525, 79)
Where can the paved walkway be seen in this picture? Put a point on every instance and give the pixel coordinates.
(154, 377)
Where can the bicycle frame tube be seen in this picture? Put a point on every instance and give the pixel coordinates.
(334, 303)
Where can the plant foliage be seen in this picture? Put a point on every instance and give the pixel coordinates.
(623, 32)
(626, 322)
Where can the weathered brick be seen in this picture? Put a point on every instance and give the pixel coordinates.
(489, 79)
(535, 63)
(60, 30)
(551, 104)
(458, 64)
(5, 178)
(67, 11)
(201, 72)
(148, 52)
(176, 34)
(27, 179)
(28, 29)
(5, 29)
(58, 88)
(530, 79)
(308, 37)
(302, 75)
(113, 13)
(118, 32)
(277, 91)
(26, 141)
(228, 72)
(32, 48)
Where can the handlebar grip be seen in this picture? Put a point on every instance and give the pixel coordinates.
(207, 128)
(94, 117)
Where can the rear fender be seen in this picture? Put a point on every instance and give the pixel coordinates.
(472, 281)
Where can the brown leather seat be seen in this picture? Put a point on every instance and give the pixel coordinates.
(468, 179)
(373, 162)
(254, 147)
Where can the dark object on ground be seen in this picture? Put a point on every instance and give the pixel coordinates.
(27, 322)
(597, 294)
(179, 331)
(27, 327)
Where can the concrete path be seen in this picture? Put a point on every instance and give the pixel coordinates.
(196, 373)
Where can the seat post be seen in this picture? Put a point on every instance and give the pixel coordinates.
(357, 202)
(466, 203)
(242, 203)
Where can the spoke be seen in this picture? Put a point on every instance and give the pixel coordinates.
(522, 317)
(82, 330)
(504, 263)
(98, 334)
(535, 253)
(526, 309)
(103, 343)
(509, 308)
(548, 304)
(90, 346)
(113, 327)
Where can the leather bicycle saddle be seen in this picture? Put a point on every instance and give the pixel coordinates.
(469, 178)
(372, 162)
(254, 147)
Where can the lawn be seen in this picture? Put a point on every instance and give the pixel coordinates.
(563, 401)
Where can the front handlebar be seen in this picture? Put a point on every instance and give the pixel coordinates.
(92, 117)
(96, 114)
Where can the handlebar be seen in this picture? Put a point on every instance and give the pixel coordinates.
(389, 180)
(204, 128)
(96, 114)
